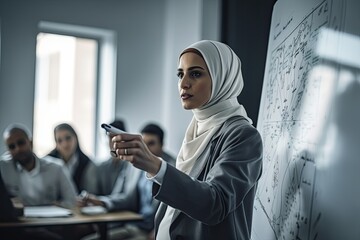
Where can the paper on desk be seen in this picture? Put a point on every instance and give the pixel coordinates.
(93, 210)
(46, 211)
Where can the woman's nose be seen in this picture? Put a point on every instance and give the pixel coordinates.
(184, 82)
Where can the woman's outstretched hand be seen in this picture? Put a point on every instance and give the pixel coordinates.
(132, 148)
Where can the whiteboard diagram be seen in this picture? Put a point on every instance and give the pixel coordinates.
(297, 98)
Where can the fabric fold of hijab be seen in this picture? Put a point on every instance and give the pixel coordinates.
(227, 83)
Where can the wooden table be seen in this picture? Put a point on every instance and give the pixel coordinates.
(76, 219)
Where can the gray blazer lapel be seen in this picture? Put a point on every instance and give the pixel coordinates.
(196, 171)
(200, 163)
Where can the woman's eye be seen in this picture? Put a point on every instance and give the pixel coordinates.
(195, 74)
(180, 74)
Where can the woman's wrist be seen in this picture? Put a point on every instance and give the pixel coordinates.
(158, 178)
(155, 167)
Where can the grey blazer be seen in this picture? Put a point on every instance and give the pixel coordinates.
(124, 187)
(215, 201)
(117, 185)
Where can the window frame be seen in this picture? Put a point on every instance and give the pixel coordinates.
(105, 88)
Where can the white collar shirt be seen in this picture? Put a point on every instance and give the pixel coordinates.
(72, 163)
(32, 183)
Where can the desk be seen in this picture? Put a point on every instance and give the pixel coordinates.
(77, 218)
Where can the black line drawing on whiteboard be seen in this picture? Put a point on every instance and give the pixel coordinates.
(290, 112)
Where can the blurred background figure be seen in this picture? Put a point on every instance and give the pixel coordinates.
(81, 167)
(121, 186)
(34, 181)
(108, 172)
(153, 136)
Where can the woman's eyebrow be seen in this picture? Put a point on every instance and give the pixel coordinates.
(190, 68)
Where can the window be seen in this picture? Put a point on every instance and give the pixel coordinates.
(75, 83)
(66, 70)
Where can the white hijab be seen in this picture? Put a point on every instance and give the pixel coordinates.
(227, 82)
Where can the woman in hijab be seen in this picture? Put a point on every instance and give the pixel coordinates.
(210, 192)
(79, 164)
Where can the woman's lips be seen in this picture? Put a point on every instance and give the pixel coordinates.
(185, 96)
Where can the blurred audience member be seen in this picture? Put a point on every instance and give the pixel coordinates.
(79, 164)
(153, 136)
(123, 187)
(33, 180)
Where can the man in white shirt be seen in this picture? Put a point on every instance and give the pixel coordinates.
(34, 181)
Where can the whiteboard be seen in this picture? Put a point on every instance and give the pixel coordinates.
(309, 120)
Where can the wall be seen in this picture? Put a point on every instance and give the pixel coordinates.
(247, 34)
(149, 39)
(179, 33)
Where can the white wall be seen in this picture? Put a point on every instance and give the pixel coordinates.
(186, 23)
(150, 36)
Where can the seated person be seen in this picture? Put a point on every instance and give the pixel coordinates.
(81, 168)
(34, 181)
(153, 136)
(123, 187)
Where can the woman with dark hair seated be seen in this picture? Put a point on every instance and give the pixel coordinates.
(82, 169)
